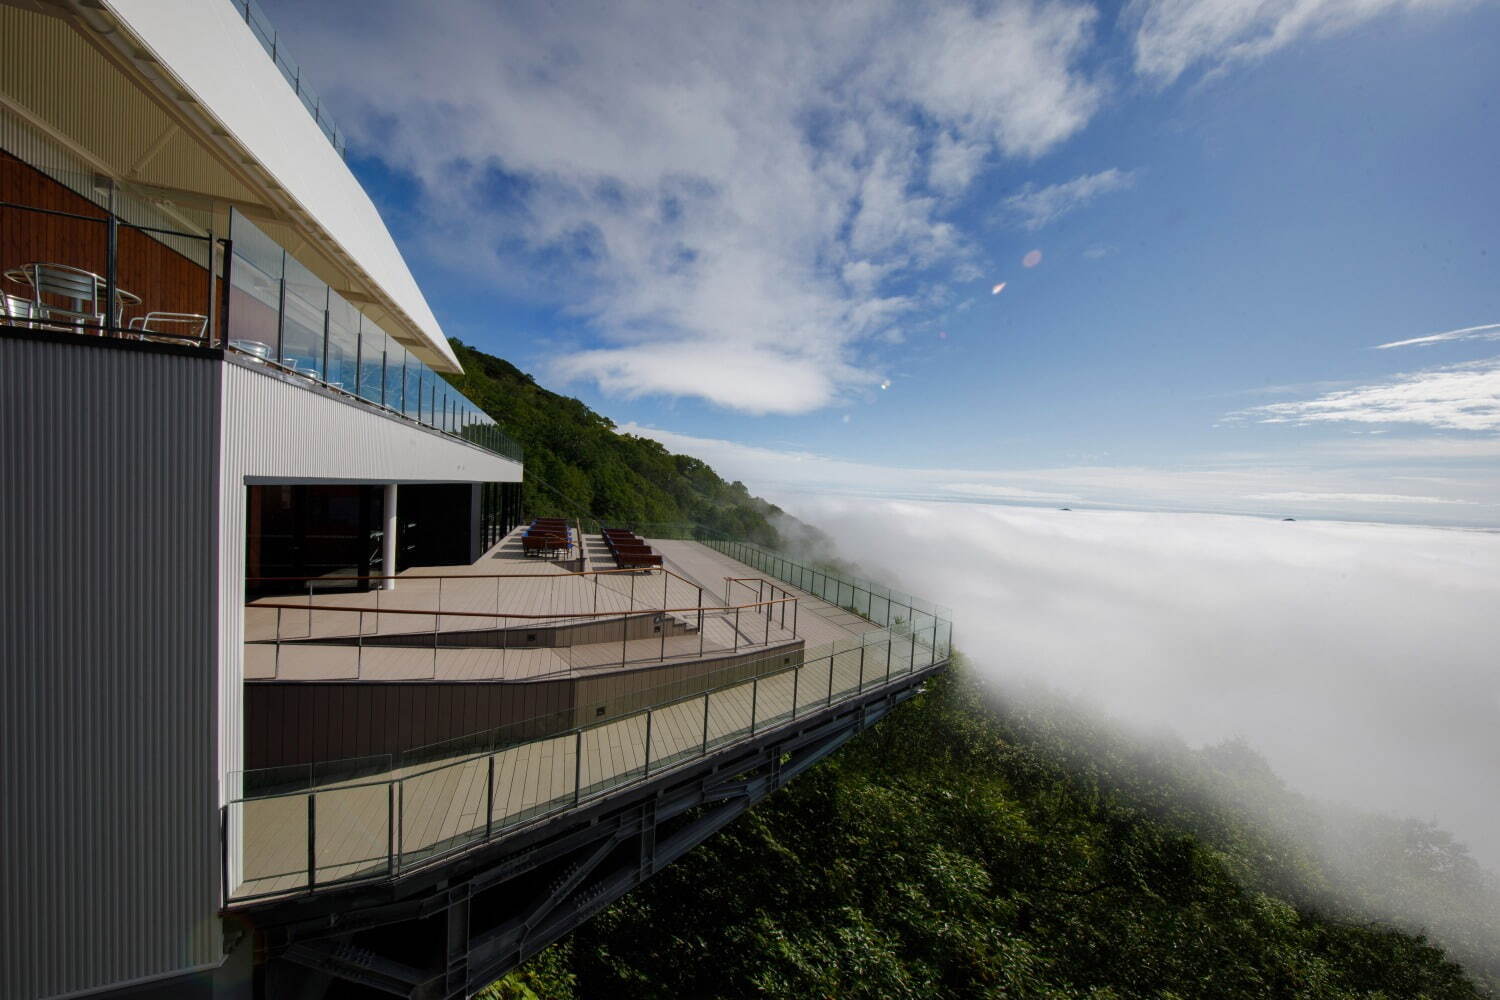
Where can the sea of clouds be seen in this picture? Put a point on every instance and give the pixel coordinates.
(1360, 659)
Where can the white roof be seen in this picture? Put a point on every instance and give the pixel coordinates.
(212, 52)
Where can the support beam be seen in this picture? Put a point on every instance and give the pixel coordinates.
(388, 541)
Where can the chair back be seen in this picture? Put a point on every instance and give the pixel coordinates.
(15, 307)
(79, 287)
(178, 326)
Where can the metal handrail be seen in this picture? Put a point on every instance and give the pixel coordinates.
(934, 637)
(507, 614)
(398, 860)
(560, 734)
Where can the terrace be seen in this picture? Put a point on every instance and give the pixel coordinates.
(70, 265)
(563, 688)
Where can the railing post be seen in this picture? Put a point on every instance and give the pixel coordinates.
(578, 767)
(767, 640)
(832, 660)
(889, 642)
(224, 853)
(111, 264)
(312, 840)
(706, 696)
(700, 621)
(390, 827)
(228, 266)
(489, 797)
(209, 311)
(736, 629)
(646, 769)
(861, 664)
(795, 605)
(796, 678)
(754, 702)
(400, 823)
(276, 670)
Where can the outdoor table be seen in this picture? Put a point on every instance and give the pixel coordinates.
(22, 276)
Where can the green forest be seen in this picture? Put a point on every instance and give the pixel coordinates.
(578, 465)
(980, 843)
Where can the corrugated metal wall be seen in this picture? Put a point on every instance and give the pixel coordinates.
(108, 694)
(277, 430)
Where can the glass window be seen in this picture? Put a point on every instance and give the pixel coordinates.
(343, 344)
(255, 272)
(372, 345)
(395, 374)
(302, 325)
(412, 402)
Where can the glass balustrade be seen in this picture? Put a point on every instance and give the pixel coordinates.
(282, 315)
(424, 808)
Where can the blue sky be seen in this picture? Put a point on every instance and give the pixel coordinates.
(768, 235)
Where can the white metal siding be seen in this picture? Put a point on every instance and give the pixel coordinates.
(275, 429)
(108, 805)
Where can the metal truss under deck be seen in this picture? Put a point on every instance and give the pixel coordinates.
(448, 931)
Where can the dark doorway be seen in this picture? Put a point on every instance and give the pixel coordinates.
(310, 531)
(439, 525)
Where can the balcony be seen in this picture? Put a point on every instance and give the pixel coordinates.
(149, 274)
(619, 678)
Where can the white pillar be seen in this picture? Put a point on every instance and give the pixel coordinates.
(388, 547)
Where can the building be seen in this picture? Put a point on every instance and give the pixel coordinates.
(285, 701)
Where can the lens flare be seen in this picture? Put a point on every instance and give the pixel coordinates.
(885, 383)
(998, 289)
(1032, 259)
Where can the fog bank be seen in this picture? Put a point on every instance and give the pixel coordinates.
(1360, 659)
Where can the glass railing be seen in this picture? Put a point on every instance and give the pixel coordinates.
(491, 783)
(879, 604)
(283, 316)
(359, 830)
(87, 271)
(271, 41)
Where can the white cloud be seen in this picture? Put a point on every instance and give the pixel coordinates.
(1457, 397)
(1004, 492)
(1358, 658)
(1462, 479)
(742, 182)
(1489, 331)
(1035, 207)
(1174, 35)
(1375, 498)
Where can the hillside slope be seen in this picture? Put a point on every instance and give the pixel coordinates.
(578, 465)
(938, 856)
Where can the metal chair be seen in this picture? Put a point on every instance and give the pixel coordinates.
(253, 348)
(175, 327)
(15, 311)
(82, 289)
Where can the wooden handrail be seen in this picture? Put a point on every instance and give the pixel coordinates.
(460, 576)
(502, 614)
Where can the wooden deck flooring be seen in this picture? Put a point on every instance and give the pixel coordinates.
(403, 817)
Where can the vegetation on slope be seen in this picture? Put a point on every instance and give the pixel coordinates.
(941, 855)
(578, 465)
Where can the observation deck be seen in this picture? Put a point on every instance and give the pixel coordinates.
(604, 750)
